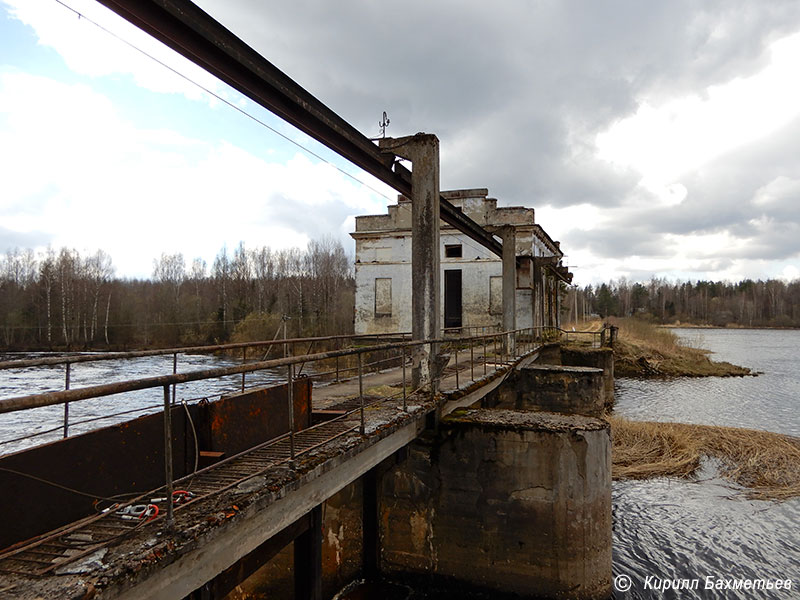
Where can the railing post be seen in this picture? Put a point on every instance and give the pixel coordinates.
(285, 345)
(174, 371)
(484, 357)
(405, 405)
(338, 347)
(290, 395)
(456, 347)
(244, 361)
(66, 404)
(361, 393)
(472, 359)
(168, 454)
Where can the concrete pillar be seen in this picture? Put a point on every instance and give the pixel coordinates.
(371, 525)
(600, 358)
(506, 502)
(426, 306)
(308, 559)
(508, 234)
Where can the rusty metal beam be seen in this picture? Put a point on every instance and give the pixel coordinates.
(191, 32)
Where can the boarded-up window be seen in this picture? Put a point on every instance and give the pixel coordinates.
(383, 296)
(524, 272)
(496, 295)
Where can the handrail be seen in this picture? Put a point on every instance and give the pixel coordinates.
(18, 403)
(77, 358)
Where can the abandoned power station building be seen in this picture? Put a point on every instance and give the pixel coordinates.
(471, 275)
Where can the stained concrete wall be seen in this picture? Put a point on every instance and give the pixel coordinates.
(580, 356)
(555, 388)
(507, 501)
(600, 358)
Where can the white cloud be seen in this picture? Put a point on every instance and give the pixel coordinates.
(98, 181)
(664, 141)
(790, 273)
(87, 50)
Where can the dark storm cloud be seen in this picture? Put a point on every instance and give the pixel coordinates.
(515, 91)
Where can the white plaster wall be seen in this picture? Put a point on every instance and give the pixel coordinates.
(389, 255)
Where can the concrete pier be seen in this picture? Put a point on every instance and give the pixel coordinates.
(426, 322)
(509, 285)
(506, 501)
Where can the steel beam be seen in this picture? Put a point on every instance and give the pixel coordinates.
(191, 32)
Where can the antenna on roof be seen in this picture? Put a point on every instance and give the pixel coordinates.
(384, 123)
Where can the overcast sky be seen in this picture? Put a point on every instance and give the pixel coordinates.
(652, 138)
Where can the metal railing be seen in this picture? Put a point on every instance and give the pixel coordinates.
(600, 338)
(478, 355)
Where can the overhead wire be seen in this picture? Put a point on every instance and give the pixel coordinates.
(221, 98)
(235, 107)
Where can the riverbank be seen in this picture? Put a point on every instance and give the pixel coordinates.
(766, 463)
(644, 350)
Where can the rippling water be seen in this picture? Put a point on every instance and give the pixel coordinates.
(769, 401)
(83, 415)
(679, 529)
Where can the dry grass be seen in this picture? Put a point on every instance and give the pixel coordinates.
(766, 463)
(644, 349)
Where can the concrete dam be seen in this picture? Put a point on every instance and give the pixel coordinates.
(501, 483)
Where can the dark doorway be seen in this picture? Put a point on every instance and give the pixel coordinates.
(452, 298)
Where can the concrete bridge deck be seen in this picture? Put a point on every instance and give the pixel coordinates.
(244, 502)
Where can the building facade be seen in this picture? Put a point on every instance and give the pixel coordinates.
(471, 274)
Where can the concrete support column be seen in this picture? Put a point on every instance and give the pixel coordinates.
(426, 307)
(308, 559)
(508, 234)
(370, 525)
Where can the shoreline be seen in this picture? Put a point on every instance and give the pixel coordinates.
(645, 350)
(728, 327)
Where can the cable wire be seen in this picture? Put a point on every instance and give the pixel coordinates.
(221, 98)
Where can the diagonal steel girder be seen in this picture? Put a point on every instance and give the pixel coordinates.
(193, 33)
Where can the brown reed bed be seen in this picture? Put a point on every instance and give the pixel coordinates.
(766, 464)
(642, 349)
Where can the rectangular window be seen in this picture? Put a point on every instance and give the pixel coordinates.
(383, 296)
(452, 250)
(496, 295)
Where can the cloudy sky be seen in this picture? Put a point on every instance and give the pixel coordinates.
(653, 138)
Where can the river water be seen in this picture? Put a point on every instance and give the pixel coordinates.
(85, 415)
(669, 528)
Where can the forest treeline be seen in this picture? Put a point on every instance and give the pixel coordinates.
(65, 300)
(748, 303)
